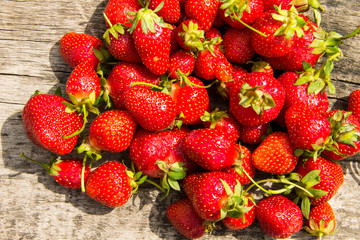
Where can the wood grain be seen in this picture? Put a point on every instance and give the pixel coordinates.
(33, 206)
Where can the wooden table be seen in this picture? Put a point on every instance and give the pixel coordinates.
(34, 206)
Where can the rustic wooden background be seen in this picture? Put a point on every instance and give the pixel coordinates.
(34, 206)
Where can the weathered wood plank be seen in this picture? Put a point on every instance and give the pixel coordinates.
(33, 206)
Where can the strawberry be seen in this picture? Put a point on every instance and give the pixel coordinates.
(79, 47)
(120, 78)
(262, 66)
(117, 11)
(183, 61)
(297, 93)
(254, 134)
(160, 155)
(321, 221)
(278, 216)
(83, 87)
(214, 33)
(214, 195)
(67, 172)
(122, 47)
(269, 4)
(256, 99)
(302, 50)
(46, 123)
(275, 154)
(189, 35)
(204, 12)
(240, 14)
(210, 149)
(152, 40)
(191, 99)
(246, 220)
(185, 220)
(354, 103)
(278, 25)
(302, 5)
(345, 132)
(237, 45)
(170, 11)
(308, 130)
(111, 131)
(153, 110)
(223, 121)
(223, 87)
(243, 163)
(112, 184)
(211, 63)
(330, 174)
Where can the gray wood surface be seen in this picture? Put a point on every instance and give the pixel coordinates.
(34, 206)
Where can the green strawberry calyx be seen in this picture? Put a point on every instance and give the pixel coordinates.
(114, 30)
(136, 178)
(147, 19)
(193, 36)
(292, 22)
(237, 203)
(213, 117)
(255, 98)
(320, 228)
(172, 173)
(259, 66)
(51, 167)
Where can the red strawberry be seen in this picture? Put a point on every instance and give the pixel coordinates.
(202, 11)
(275, 154)
(122, 47)
(211, 63)
(79, 47)
(242, 164)
(302, 50)
(189, 35)
(354, 103)
(345, 132)
(240, 14)
(160, 155)
(321, 221)
(185, 220)
(170, 11)
(212, 194)
(120, 78)
(256, 99)
(153, 110)
(254, 134)
(67, 172)
(223, 87)
(191, 99)
(83, 87)
(111, 184)
(243, 222)
(214, 33)
(286, 4)
(278, 216)
(223, 121)
(308, 130)
(183, 61)
(111, 131)
(117, 11)
(46, 123)
(152, 40)
(330, 174)
(297, 93)
(269, 4)
(280, 30)
(237, 45)
(210, 149)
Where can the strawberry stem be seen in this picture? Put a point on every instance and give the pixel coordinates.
(83, 174)
(85, 114)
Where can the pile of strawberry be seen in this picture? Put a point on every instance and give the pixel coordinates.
(154, 85)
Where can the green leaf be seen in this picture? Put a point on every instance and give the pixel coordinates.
(305, 207)
(174, 184)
